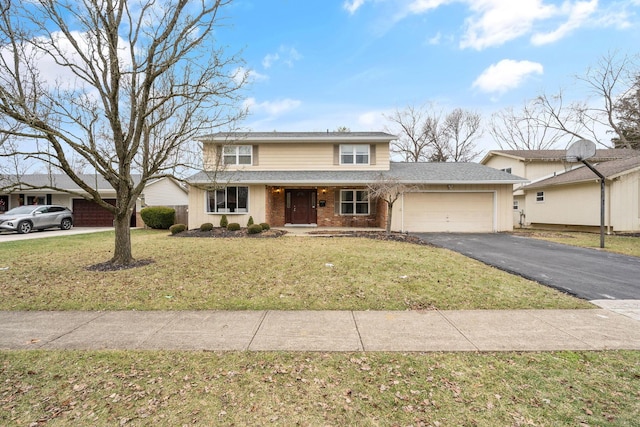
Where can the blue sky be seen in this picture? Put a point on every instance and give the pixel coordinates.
(321, 64)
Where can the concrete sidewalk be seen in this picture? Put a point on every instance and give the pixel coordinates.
(420, 331)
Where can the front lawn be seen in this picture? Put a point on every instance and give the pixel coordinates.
(70, 388)
(286, 273)
(626, 245)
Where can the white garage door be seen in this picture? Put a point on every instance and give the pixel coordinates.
(449, 212)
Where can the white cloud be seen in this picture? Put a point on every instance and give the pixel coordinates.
(578, 13)
(422, 6)
(353, 5)
(270, 59)
(506, 75)
(241, 74)
(435, 40)
(285, 54)
(271, 108)
(495, 22)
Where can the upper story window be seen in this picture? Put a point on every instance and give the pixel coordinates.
(507, 170)
(236, 155)
(540, 196)
(354, 154)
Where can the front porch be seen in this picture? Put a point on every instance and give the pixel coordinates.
(322, 207)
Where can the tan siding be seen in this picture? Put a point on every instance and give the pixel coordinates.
(503, 202)
(198, 213)
(295, 157)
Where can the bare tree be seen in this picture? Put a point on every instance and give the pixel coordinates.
(462, 129)
(427, 134)
(628, 116)
(610, 80)
(523, 130)
(127, 86)
(388, 189)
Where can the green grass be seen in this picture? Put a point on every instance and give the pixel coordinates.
(287, 273)
(625, 245)
(68, 388)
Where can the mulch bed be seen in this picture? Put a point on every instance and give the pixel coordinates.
(223, 232)
(109, 266)
(272, 233)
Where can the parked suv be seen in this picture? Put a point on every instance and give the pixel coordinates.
(23, 219)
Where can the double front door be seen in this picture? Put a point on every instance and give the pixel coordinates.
(300, 206)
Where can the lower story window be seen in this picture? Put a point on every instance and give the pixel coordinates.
(228, 199)
(540, 196)
(516, 205)
(354, 202)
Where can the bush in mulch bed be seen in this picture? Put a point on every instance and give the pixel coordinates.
(223, 232)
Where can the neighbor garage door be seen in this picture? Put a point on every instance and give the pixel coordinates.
(448, 212)
(90, 214)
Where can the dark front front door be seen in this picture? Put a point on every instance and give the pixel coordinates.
(300, 206)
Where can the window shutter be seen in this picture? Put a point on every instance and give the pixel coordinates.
(336, 154)
(336, 202)
(254, 155)
(372, 154)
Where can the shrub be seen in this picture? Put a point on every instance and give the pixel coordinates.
(207, 226)
(233, 226)
(254, 229)
(177, 228)
(159, 217)
(265, 226)
(250, 222)
(224, 221)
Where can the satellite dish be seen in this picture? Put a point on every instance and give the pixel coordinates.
(580, 150)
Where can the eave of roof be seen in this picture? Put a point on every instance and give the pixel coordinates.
(407, 173)
(295, 137)
(559, 155)
(611, 170)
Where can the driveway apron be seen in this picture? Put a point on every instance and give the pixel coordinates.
(590, 274)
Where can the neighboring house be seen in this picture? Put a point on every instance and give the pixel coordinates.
(161, 192)
(540, 167)
(572, 199)
(167, 192)
(320, 179)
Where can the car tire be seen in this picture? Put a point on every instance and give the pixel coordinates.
(24, 227)
(66, 224)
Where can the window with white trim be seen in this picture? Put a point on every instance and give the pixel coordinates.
(354, 202)
(540, 196)
(228, 200)
(354, 154)
(507, 170)
(237, 154)
(516, 205)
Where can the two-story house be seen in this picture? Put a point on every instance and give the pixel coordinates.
(320, 179)
(567, 195)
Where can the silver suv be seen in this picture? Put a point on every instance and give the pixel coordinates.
(23, 219)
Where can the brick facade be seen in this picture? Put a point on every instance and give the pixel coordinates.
(326, 209)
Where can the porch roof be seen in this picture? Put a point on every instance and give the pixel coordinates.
(408, 173)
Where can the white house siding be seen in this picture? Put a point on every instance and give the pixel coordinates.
(198, 214)
(165, 192)
(625, 197)
(577, 204)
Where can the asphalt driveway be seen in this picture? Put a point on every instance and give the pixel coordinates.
(590, 274)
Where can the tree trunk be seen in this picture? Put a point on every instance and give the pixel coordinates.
(122, 252)
(389, 214)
